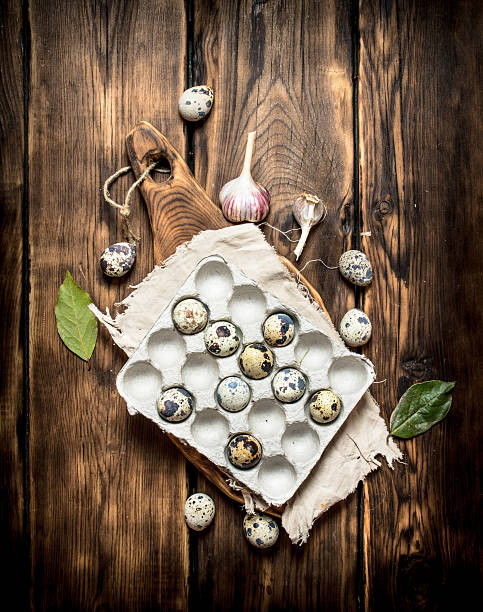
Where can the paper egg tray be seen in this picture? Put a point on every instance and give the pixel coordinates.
(292, 442)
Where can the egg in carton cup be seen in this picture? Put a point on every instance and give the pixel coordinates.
(267, 437)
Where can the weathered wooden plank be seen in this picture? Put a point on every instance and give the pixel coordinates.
(421, 192)
(12, 410)
(272, 70)
(104, 485)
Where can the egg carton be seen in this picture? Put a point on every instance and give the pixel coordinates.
(292, 442)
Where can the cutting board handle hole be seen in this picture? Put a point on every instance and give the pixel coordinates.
(162, 172)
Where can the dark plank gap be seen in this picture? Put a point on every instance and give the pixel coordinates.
(26, 575)
(355, 244)
(13, 267)
(191, 471)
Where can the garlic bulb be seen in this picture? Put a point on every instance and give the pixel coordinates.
(242, 199)
(307, 211)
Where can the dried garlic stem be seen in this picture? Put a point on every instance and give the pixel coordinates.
(247, 164)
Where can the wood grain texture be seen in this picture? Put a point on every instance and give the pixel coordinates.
(272, 71)
(421, 193)
(104, 485)
(13, 538)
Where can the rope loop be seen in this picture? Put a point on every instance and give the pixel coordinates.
(125, 209)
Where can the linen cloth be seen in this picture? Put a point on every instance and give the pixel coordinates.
(352, 453)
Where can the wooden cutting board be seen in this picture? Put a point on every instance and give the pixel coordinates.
(178, 209)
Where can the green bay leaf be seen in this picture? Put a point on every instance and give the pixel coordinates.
(421, 406)
(76, 324)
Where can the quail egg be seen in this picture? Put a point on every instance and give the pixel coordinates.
(175, 405)
(256, 361)
(222, 338)
(118, 259)
(244, 451)
(260, 530)
(325, 406)
(288, 385)
(356, 267)
(195, 103)
(278, 329)
(355, 327)
(190, 316)
(199, 511)
(233, 394)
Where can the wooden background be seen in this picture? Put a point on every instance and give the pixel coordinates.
(375, 106)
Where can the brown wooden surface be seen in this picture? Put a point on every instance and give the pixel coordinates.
(92, 498)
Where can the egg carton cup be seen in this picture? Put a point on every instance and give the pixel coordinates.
(292, 442)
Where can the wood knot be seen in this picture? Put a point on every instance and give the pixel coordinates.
(382, 208)
(419, 369)
(415, 370)
(418, 581)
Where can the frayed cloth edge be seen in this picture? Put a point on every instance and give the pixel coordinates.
(394, 455)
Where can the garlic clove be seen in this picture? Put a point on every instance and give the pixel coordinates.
(308, 211)
(242, 199)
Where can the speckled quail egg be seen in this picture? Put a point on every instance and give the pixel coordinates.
(278, 329)
(175, 405)
(118, 259)
(356, 267)
(355, 327)
(325, 406)
(222, 338)
(256, 361)
(244, 451)
(199, 511)
(195, 103)
(260, 530)
(288, 385)
(233, 394)
(190, 316)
